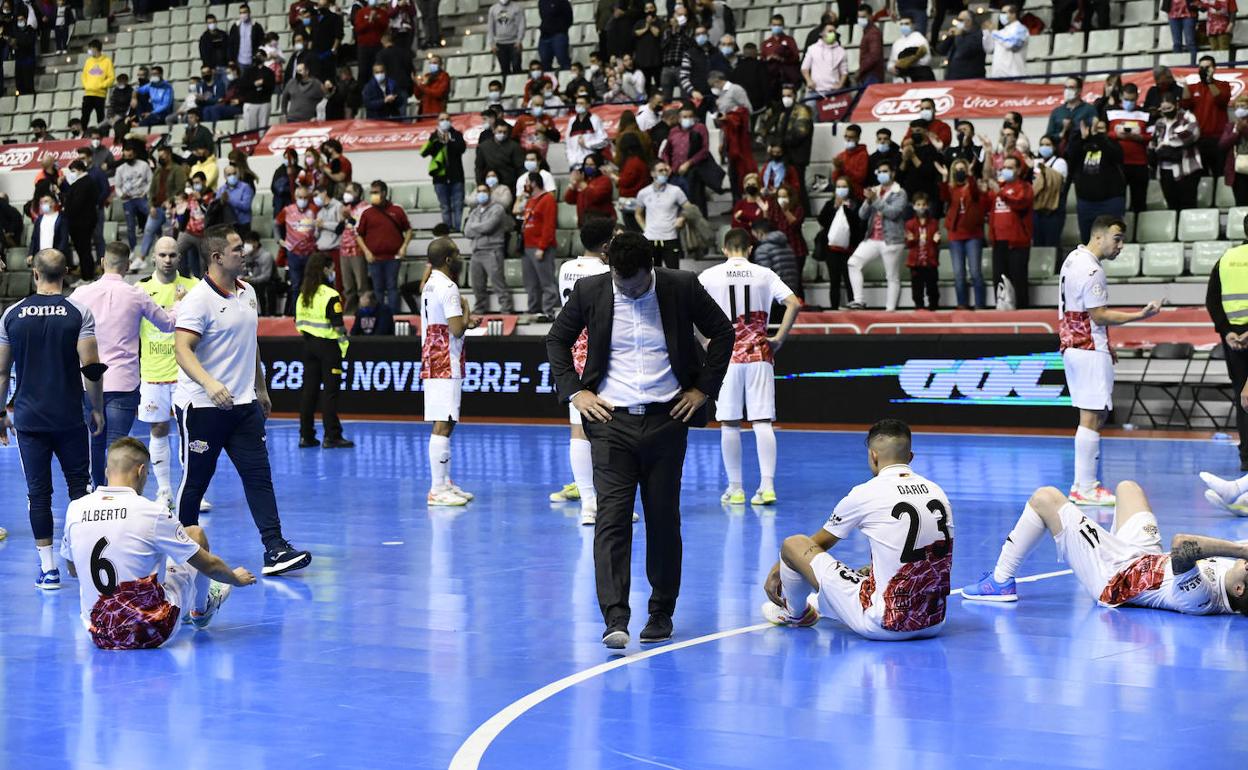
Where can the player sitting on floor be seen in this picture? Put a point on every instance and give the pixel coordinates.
(1125, 565)
(131, 598)
(1231, 495)
(909, 524)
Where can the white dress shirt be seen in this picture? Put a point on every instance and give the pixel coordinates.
(639, 371)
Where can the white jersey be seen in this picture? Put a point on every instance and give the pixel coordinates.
(1083, 287)
(575, 270)
(909, 523)
(745, 292)
(114, 535)
(441, 353)
(226, 324)
(1150, 581)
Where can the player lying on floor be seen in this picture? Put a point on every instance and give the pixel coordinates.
(909, 524)
(1231, 495)
(1124, 566)
(131, 598)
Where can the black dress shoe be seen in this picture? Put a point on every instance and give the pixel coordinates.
(615, 637)
(337, 443)
(658, 629)
(306, 443)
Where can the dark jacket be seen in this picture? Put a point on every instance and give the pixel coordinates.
(257, 39)
(965, 53)
(751, 74)
(556, 17)
(506, 160)
(60, 237)
(79, 204)
(826, 216)
(453, 169)
(792, 128)
(683, 305)
(253, 94)
(698, 64)
(1096, 167)
(774, 252)
(214, 48)
(375, 94)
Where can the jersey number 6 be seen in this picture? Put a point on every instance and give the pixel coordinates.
(103, 573)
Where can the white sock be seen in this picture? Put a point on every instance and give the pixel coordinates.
(765, 437)
(582, 468)
(1087, 453)
(202, 583)
(161, 450)
(439, 461)
(46, 561)
(796, 590)
(730, 448)
(1021, 540)
(1227, 489)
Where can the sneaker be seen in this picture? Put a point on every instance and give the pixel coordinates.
(856, 306)
(1225, 489)
(987, 589)
(204, 506)
(779, 616)
(1238, 508)
(284, 558)
(137, 264)
(337, 443)
(658, 629)
(615, 638)
(217, 594)
(1098, 496)
(569, 492)
(764, 497)
(445, 497)
(466, 495)
(165, 498)
(589, 512)
(50, 580)
(733, 497)
(636, 517)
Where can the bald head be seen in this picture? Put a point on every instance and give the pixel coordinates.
(888, 443)
(165, 258)
(128, 461)
(50, 265)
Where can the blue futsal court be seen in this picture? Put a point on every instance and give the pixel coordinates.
(415, 627)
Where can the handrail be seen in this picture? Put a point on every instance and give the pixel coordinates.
(1015, 325)
(823, 326)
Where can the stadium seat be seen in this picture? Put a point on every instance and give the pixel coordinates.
(1162, 260)
(1126, 266)
(15, 258)
(1199, 225)
(566, 218)
(1155, 227)
(427, 198)
(873, 271)
(1205, 254)
(1103, 42)
(513, 272)
(1141, 38)
(1067, 45)
(1042, 264)
(944, 268)
(1235, 222)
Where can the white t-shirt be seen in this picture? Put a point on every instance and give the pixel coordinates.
(226, 325)
(662, 207)
(569, 274)
(909, 523)
(115, 535)
(914, 40)
(1083, 287)
(1199, 591)
(548, 182)
(745, 292)
(441, 353)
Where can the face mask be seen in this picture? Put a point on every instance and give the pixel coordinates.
(1046, 151)
(920, 213)
(1241, 112)
(46, 208)
(1128, 105)
(302, 203)
(319, 201)
(862, 23)
(155, 79)
(309, 161)
(483, 198)
(299, 47)
(830, 39)
(883, 177)
(959, 176)
(71, 177)
(348, 198)
(491, 181)
(1070, 94)
(905, 29)
(500, 137)
(230, 77)
(727, 50)
(198, 187)
(783, 201)
(882, 148)
(589, 171)
(581, 109)
(787, 101)
(958, 25)
(372, 3)
(547, 93)
(434, 68)
(686, 123)
(927, 115)
(248, 248)
(444, 126)
(1006, 175)
(752, 190)
(231, 180)
(777, 30)
(530, 166)
(660, 179)
(842, 192)
(244, 17)
(537, 112)
(1005, 18)
(535, 74)
(21, 24)
(380, 77)
(95, 143)
(681, 21)
(212, 27)
(495, 97)
(700, 40)
(1168, 109)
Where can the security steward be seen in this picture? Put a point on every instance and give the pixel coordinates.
(1227, 303)
(318, 317)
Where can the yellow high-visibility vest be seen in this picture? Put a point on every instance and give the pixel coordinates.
(1233, 274)
(313, 318)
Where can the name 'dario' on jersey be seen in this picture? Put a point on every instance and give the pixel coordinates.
(912, 489)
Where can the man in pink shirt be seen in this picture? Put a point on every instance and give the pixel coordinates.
(118, 308)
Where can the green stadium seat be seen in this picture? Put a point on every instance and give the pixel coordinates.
(1205, 254)
(1070, 230)
(944, 268)
(1067, 45)
(567, 243)
(810, 271)
(513, 272)
(1163, 260)
(1126, 266)
(1224, 197)
(15, 258)
(427, 198)
(1235, 222)
(1042, 264)
(1142, 38)
(566, 217)
(1155, 227)
(1199, 225)
(1103, 42)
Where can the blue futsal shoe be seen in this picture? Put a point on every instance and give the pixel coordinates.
(986, 589)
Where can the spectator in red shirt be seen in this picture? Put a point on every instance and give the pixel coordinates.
(382, 233)
(781, 54)
(923, 240)
(299, 219)
(540, 284)
(293, 14)
(964, 222)
(370, 22)
(1208, 100)
(537, 82)
(937, 129)
(786, 216)
(870, 49)
(432, 88)
(535, 130)
(335, 165)
(590, 190)
(751, 206)
(851, 162)
(634, 174)
(1009, 227)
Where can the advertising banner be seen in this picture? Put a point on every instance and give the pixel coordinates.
(989, 380)
(28, 157)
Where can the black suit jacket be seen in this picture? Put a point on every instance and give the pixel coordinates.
(683, 305)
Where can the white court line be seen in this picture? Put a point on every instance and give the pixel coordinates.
(469, 755)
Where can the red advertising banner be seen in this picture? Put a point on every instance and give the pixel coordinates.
(29, 157)
(375, 135)
(991, 99)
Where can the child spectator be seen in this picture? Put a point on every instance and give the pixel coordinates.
(923, 241)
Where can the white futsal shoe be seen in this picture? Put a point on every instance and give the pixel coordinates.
(1097, 496)
(165, 498)
(1226, 490)
(445, 497)
(779, 616)
(1237, 507)
(217, 594)
(466, 495)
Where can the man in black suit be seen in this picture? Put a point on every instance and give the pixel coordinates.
(645, 380)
